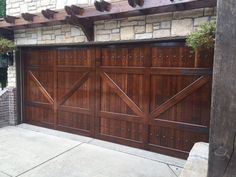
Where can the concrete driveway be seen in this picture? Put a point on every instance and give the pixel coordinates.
(30, 151)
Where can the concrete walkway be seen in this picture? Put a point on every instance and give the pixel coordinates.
(30, 151)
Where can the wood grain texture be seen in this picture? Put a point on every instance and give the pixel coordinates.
(145, 96)
(222, 156)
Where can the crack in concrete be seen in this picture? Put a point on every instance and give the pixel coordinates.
(172, 169)
(5, 173)
(48, 160)
(231, 156)
(136, 155)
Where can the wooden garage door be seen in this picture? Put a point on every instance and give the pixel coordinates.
(59, 89)
(154, 96)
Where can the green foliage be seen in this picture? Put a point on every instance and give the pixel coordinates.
(204, 37)
(6, 45)
(3, 77)
(2, 8)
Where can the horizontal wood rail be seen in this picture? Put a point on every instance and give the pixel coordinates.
(90, 14)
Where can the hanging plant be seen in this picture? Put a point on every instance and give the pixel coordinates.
(203, 38)
(6, 46)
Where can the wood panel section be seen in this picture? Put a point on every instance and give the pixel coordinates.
(149, 96)
(54, 77)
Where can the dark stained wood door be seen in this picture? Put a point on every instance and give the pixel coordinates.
(152, 96)
(180, 98)
(59, 88)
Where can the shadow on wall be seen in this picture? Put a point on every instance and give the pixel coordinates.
(3, 78)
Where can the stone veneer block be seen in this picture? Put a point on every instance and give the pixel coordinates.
(159, 17)
(165, 25)
(181, 27)
(139, 29)
(115, 37)
(197, 163)
(127, 33)
(103, 37)
(143, 36)
(149, 28)
(111, 25)
(188, 14)
(161, 33)
(200, 21)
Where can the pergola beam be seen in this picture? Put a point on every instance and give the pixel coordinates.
(119, 9)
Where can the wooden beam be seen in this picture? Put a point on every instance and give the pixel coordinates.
(85, 24)
(119, 10)
(74, 10)
(49, 14)
(222, 156)
(28, 17)
(140, 2)
(102, 6)
(77, 10)
(10, 19)
(134, 3)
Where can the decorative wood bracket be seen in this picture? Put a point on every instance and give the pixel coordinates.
(10, 19)
(74, 10)
(49, 14)
(85, 24)
(102, 6)
(134, 3)
(119, 9)
(28, 17)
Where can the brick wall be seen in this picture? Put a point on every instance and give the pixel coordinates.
(4, 108)
(8, 107)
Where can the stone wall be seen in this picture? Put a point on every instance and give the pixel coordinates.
(153, 26)
(142, 27)
(8, 114)
(11, 76)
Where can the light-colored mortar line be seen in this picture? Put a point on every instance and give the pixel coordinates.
(48, 160)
